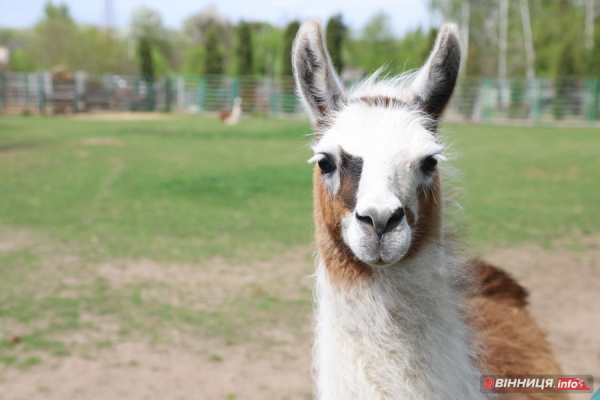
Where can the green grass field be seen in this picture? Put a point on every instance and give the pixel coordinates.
(191, 188)
(185, 189)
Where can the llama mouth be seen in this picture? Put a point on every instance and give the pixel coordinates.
(380, 263)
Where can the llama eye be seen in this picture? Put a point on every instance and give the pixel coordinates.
(428, 165)
(326, 165)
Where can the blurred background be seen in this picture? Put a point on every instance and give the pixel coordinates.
(155, 237)
(528, 60)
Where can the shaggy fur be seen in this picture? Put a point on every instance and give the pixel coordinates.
(513, 343)
(398, 316)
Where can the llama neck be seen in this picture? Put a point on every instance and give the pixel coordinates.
(236, 111)
(234, 117)
(398, 333)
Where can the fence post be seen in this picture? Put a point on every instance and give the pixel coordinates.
(26, 90)
(592, 97)
(273, 98)
(2, 92)
(41, 93)
(138, 87)
(235, 88)
(78, 91)
(487, 103)
(181, 93)
(201, 93)
(535, 101)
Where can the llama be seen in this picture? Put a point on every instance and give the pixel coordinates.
(233, 116)
(398, 316)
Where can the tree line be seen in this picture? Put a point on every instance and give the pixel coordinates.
(207, 43)
(534, 38)
(497, 38)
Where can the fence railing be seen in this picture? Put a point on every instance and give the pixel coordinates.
(535, 101)
(478, 100)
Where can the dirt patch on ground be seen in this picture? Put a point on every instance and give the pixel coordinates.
(11, 239)
(140, 371)
(564, 287)
(284, 278)
(565, 292)
(106, 141)
(120, 116)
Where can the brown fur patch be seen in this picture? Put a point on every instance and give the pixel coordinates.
(426, 227)
(497, 284)
(350, 173)
(513, 344)
(343, 267)
(225, 114)
(321, 126)
(382, 101)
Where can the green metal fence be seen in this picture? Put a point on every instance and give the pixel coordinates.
(536, 101)
(539, 101)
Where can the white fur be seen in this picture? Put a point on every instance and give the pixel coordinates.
(400, 334)
(400, 337)
(422, 84)
(236, 112)
(392, 144)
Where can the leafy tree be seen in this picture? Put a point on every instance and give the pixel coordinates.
(21, 61)
(194, 60)
(58, 11)
(197, 26)
(244, 49)
(214, 58)
(94, 51)
(147, 23)
(377, 45)
(53, 37)
(267, 44)
(146, 63)
(428, 44)
(57, 39)
(592, 58)
(288, 42)
(335, 34)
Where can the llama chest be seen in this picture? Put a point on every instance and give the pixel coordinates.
(368, 346)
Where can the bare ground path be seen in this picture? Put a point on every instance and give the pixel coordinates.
(275, 362)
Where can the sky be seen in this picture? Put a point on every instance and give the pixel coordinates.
(405, 14)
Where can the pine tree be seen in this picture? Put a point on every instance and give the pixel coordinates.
(146, 64)
(147, 70)
(244, 49)
(565, 70)
(288, 41)
(214, 61)
(335, 35)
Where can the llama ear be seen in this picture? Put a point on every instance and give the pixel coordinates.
(435, 81)
(317, 83)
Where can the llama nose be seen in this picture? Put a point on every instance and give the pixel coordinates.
(382, 221)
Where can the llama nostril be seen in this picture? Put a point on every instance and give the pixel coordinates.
(364, 218)
(381, 221)
(395, 219)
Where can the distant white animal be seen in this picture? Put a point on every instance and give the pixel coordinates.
(232, 117)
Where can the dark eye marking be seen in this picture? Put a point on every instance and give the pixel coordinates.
(326, 164)
(350, 173)
(428, 165)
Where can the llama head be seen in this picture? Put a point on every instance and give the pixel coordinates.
(377, 187)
